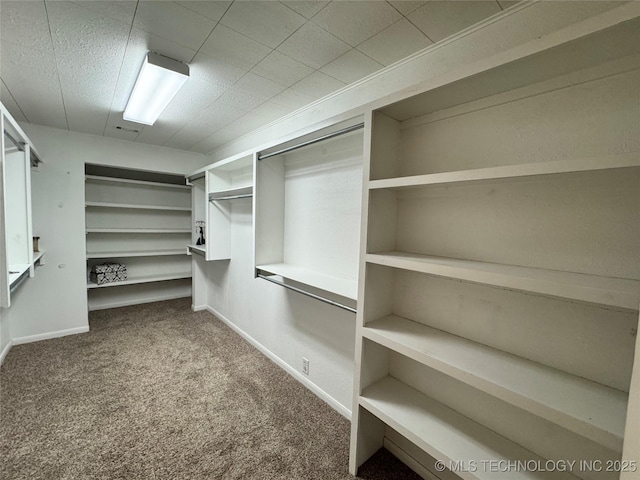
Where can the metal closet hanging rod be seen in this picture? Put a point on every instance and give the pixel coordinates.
(19, 145)
(213, 198)
(337, 133)
(259, 274)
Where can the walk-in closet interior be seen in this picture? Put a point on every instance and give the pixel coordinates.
(444, 247)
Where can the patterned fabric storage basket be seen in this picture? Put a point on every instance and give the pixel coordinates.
(108, 273)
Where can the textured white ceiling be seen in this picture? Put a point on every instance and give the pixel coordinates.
(72, 64)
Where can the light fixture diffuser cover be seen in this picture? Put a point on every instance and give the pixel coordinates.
(159, 80)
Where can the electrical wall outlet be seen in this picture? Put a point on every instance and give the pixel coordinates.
(305, 366)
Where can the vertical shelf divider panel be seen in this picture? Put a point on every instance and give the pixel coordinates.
(307, 213)
(499, 269)
(143, 224)
(16, 243)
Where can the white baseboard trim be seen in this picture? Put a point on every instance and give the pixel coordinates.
(333, 403)
(409, 461)
(49, 335)
(199, 308)
(5, 351)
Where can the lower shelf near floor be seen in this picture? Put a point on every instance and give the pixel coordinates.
(142, 279)
(587, 408)
(133, 294)
(447, 435)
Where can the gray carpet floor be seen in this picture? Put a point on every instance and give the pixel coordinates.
(158, 392)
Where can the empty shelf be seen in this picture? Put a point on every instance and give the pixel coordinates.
(143, 279)
(340, 286)
(584, 407)
(136, 206)
(16, 272)
(608, 162)
(445, 434)
(146, 253)
(613, 292)
(231, 193)
(37, 257)
(99, 179)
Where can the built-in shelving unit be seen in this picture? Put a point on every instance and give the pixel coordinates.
(313, 241)
(499, 312)
(17, 157)
(215, 188)
(144, 225)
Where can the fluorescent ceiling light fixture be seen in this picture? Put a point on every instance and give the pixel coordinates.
(159, 80)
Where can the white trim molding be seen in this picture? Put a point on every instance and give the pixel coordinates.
(5, 351)
(49, 335)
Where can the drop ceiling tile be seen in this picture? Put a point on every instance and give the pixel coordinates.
(173, 22)
(266, 113)
(159, 133)
(395, 43)
(281, 69)
(405, 7)
(121, 11)
(313, 46)
(212, 10)
(440, 19)
(318, 85)
(250, 91)
(89, 52)
(9, 102)
(31, 77)
(292, 99)
(353, 23)
(219, 138)
(129, 131)
(306, 9)
(349, 21)
(351, 66)
(266, 22)
(215, 117)
(234, 48)
(24, 24)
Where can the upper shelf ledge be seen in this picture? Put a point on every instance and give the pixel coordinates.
(607, 162)
(606, 291)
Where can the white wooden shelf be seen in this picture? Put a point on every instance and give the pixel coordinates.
(587, 408)
(609, 162)
(218, 195)
(138, 230)
(136, 206)
(142, 279)
(16, 272)
(199, 249)
(37, 257)
(99, 179)
(445, 434)
(341, 286)
(146, 253)
(607, 291)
